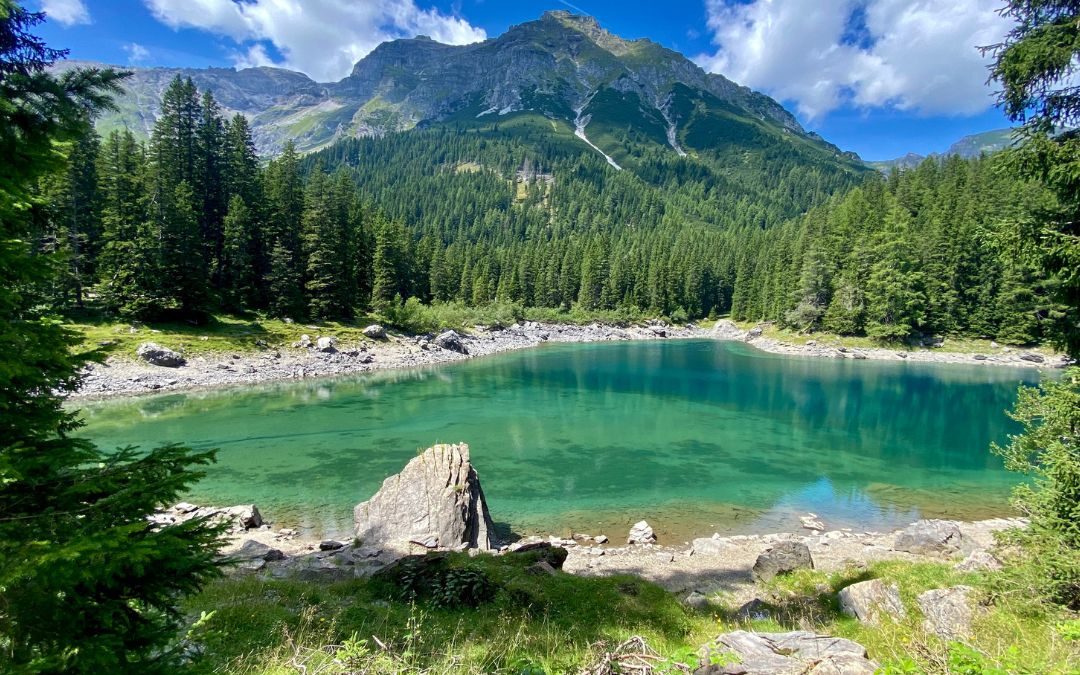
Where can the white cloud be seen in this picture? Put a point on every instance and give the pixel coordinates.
(322, 38)
(917, 55)
(67, 12)
(136, 52)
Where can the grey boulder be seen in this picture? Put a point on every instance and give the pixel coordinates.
(326, 344)
(436, 499)
(947, 612)
(452, 341)
(871, 601)
(793, 653)
(375, 331)
(979, 560)
(641, 533)
(156, 355)
(781, 558)
(930, 537)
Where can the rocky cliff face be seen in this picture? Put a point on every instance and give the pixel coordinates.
(562, 66)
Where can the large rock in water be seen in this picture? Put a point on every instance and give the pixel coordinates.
(156, 355)
(436, 498)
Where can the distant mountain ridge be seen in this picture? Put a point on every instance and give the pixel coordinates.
(987, 142)
(563, 67)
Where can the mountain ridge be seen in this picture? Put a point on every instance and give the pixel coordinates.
(563, 67)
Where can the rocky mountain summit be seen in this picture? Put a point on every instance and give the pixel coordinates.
(563, 68)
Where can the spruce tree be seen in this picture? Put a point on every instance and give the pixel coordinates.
(87, 584)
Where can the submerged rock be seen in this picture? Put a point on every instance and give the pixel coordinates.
(436, 499)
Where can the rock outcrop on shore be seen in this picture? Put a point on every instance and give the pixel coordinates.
(435, 502)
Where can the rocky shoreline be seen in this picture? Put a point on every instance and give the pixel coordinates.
(321, 356)
(998, 356)
(436, 503)
(706, 566)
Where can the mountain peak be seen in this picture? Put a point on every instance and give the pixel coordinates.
(589, 27)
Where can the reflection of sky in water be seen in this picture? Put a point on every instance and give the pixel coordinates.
(700, 434)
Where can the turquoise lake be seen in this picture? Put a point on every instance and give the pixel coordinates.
(696, 436)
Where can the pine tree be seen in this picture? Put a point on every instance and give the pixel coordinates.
(237, 256)
(87, 584)
(897, 304)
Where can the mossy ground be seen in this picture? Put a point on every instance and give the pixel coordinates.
(561, 623)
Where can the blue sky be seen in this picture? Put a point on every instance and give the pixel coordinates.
(880, 77)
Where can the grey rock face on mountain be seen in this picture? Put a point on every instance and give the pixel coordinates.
(563, 66)
(437, 497)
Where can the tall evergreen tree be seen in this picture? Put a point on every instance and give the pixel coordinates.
(87, 584)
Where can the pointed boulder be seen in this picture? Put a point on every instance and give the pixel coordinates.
(436, 498)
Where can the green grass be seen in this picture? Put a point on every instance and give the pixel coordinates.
(561, 623)
(957, 345)
(224, 334)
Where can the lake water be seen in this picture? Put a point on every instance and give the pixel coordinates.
(696, 436)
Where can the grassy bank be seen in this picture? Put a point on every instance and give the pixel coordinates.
(956, 345)
(528, 623)
(221, 333)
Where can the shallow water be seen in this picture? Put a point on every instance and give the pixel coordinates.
(697, 436)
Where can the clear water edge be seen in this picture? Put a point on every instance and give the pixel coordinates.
(697, 436)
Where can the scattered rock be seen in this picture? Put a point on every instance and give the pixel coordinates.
(305, 341)
(979, 560)
(781, 558)
(254, 550)
(708, 546)
(980, 357)
(947, 611)
(696, 600)
(245, 516)
(326, 345)
(930, 537)
(726, 329)
(871, 601)
(752, 610)
(543, 551)
(811, 522)
(437, 494)
(452, 341)
(156, 355)
(791, 653)
(1032, 357)
(540, 569)
(330, 545)
(754, 332)
(600, 539)
(641, 533)
(375, 331)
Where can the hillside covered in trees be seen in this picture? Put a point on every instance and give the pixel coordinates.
(193, 222)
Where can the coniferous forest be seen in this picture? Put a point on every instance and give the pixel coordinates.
(194, 221)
